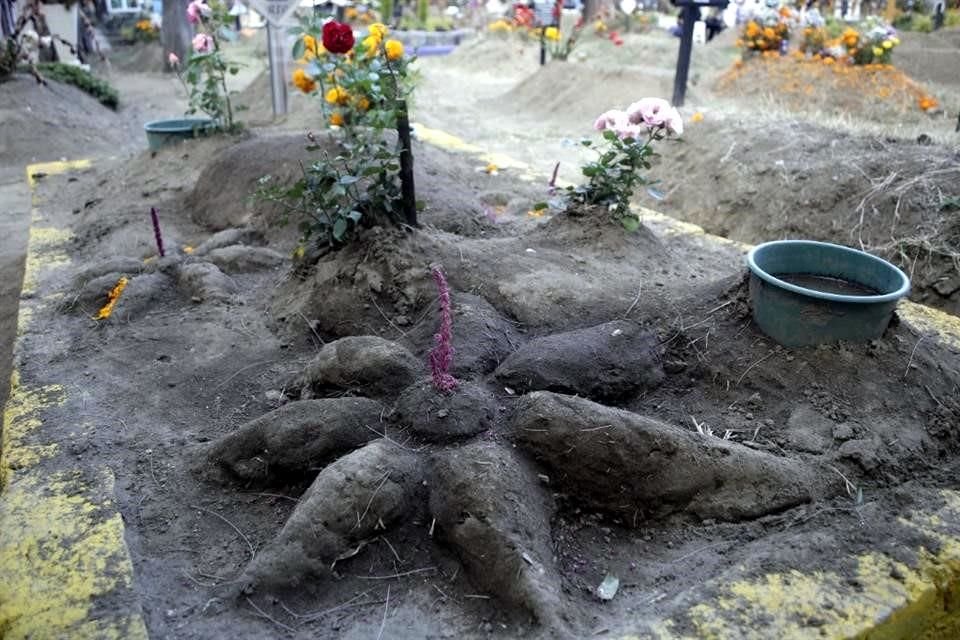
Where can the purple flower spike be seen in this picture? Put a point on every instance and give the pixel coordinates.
(441, 357)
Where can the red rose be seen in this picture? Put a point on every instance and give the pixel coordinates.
(337, 37)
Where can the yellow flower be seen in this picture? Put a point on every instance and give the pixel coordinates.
(752, 30)
(895, 40)
(887, 44)
(877, 51)
(187, 249)
(696, 117)
(394, 49)
(351, 13)
(112, 298)
(311, 47)
(363, 104)
(337, 95)
(302, 81)
(298, 252)
(492, 169)
(379, 30)
(769, 33)
(371, 43)
(551, 33)
(336, 120)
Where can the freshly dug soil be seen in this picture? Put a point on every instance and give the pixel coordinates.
(895, 198)
(40, 123)
(317, 528)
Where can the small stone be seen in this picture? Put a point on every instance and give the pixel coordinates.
(401, 321)
(843, 431)
(863, 452)
(608, 588)
(896, 574)
(443, 413)
(275, 395)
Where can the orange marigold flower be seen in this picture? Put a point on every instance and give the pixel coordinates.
(753, 29)
(769, 33)
(337, 95)
(336, 119)
(926, 103)
(303, 81)
(112, 298)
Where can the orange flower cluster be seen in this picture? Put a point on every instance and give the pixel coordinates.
(822, 84)
(758, 38)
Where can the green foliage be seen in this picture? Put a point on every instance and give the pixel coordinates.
(834, 27)
(84, 80)
(386, 11)
(205, 72)
(952, 18)
(423, 12)
(357, 184)
(615, 175)
(923, 24)
(914, 22)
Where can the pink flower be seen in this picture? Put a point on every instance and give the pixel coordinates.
(173, 59)
(202, 43)
(610, 120)
(655, 112)
(197, 9)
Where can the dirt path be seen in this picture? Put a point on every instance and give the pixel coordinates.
(14, 227)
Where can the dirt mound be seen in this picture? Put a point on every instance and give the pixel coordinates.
(896, 198)
(830, 439)
(874, 92)
(930, 57)
(495, 55)
(573, 94)
(54, 121)
(139, 58)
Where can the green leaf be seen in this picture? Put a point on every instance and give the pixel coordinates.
(540, 206)
(299, 48)
(609, 135)
(348, 180)
(339, 228)
(630, 223)
(586, 142)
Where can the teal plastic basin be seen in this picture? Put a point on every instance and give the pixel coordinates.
(803, 313)
(161, 133)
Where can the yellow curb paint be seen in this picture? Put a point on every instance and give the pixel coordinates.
(921, 603)
(62, 549)
(20, 419)
(450, 142)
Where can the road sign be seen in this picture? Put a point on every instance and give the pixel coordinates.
(278, 14)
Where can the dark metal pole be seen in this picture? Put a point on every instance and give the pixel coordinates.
(408, 195)
(543, 47)
(683, 60)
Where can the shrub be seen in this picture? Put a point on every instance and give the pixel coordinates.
(923, 24)
(363, 88)
(952, 18)
(83, 80)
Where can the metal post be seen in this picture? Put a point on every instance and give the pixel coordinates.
(278, 70)
(683, 60)
(408, 197)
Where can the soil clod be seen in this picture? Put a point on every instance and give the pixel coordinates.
(297, 436)
(436, 416)
(375, 366)
(607, 361)
(624, 462)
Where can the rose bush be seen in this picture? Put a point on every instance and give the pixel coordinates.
(628, 136)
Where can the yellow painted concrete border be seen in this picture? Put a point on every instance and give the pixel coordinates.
(893, 601)
(62, 547)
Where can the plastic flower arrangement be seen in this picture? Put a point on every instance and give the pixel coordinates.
(145, 31)
(873, 44)
(625, 151)
(362, 85)
(766, 32)
(206, 68)
(814, 33)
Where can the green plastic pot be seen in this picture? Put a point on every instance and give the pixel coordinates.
(797, 316)
(161, 133)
